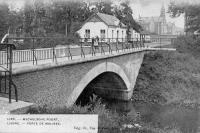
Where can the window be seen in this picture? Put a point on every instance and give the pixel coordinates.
(87, 33)
(103, 33)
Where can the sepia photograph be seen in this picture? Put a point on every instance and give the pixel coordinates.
(99, 66)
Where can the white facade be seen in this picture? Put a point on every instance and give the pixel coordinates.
(147, 38)
(97, 28)
(94, 29)
(135, 35)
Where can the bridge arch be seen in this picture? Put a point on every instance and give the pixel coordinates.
(103, 68)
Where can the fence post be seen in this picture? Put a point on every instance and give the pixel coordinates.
(117, 49)
(69, 52)
(33, 52)
(33, 49)
(102, 50)
(92, 46)
(160, 42)
(110, 49)
(10, 70)
(82, 51)
(54, 55)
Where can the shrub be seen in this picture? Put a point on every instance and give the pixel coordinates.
(171, 77)
(188, 45)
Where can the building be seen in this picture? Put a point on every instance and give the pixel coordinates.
(103, 26)
(134, 35)
(158, 24)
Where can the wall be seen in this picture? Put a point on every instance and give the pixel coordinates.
(135, 35)
(94, 27)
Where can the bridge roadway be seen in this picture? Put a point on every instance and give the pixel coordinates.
(76, 56)
(60, 83)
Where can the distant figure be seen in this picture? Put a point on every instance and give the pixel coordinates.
(93, 40)
(85, 38)
(96, 42)
(97, 38)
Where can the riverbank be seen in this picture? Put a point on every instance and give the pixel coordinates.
(171, 77)
(166, 79)
(124, 118)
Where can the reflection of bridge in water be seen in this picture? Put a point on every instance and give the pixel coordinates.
(57, 75)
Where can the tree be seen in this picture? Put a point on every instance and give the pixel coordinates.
(175, 10)
(105, 7)
(191, 12)
(35, 18)
(15, 21)
(39, 18)
(125, 14)
(65, 13)
(4, 15)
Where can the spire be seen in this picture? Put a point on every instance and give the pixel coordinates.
(162, 11)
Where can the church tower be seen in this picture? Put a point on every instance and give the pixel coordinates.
(162, 11)
(163, 25)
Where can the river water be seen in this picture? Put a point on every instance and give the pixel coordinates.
(163, 117)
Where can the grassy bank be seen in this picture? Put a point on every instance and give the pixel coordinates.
(164, 78)
(109, 121)
(171, 77)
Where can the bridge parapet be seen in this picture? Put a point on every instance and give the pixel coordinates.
(59, 48)
(55, 75)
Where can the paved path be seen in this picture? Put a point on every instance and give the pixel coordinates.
(77, 57)
(156, 44)
(14, 107)
(66, 60)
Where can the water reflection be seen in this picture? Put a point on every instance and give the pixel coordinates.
(165, 117)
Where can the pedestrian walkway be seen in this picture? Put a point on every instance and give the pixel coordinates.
(14, 107)
(49, 63)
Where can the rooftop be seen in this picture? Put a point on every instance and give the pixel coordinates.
(109, 19)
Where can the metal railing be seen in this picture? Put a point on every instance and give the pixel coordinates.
(84, 46)
(6, 82)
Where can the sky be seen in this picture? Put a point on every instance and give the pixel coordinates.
(144, 8)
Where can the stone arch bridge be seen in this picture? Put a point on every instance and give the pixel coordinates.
(112, 75)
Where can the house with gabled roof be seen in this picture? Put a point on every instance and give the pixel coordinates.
(103, 26)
